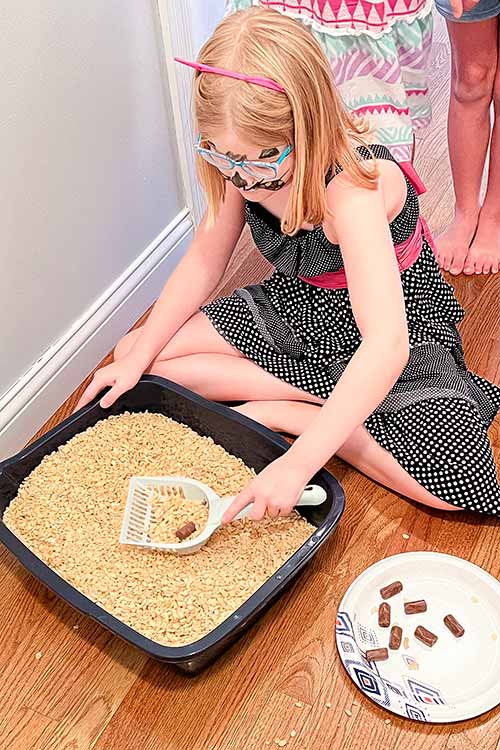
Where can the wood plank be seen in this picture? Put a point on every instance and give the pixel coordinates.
(281, 720)
(59, 664)
(242, 681)
(24, 730)
(30, 601)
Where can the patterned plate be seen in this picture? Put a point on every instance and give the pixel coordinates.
(456, 679)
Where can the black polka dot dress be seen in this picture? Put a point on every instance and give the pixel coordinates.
(435, 419)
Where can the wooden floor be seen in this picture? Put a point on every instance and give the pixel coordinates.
(67, 684)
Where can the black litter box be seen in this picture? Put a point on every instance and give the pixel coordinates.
(256, 445)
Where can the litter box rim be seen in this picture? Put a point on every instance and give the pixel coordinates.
(252, 608)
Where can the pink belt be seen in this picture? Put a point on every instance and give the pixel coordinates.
(406, 252)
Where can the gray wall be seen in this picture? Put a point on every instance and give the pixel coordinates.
(89, 173)
(205, 15)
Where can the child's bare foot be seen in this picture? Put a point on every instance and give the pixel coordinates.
(484, 253)
(453, 244)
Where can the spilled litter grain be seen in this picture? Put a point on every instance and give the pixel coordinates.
(69, 511)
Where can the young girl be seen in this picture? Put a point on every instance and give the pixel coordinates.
(352, 341)
(472, 241)
(379, 57)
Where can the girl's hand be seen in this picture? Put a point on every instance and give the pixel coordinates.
(274, 491)
(121, 375)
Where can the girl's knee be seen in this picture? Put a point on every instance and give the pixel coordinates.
(441, 505)
(474, 82)
(125, 344)
(183, 372)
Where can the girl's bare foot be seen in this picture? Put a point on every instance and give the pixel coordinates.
(453, 244)
(484, 253)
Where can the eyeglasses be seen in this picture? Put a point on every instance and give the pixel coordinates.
(258, 170)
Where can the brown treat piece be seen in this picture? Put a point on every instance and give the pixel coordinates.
(185, 531)
(414, 608)
(391, 590)
(453, 625)
(395, 637)
(425, 636)
(377, 654)
(384, 615)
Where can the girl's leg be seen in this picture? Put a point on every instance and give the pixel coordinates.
(226, 378)
(220, 377)
(484, 254)
(474, 62)
(202, 360)
(195, 336)
(361, 450)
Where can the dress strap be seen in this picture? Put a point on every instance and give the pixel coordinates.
(378, 151)
(411, 173)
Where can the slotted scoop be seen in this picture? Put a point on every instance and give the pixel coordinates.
(139, 510)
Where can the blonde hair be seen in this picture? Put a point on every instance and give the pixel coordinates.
(310, 116)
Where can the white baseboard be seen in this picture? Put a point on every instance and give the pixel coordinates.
(40, 392)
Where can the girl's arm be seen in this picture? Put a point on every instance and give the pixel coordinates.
(193, 280)
(190, 285)
(360, 224)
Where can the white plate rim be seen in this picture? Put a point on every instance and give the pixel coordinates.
(484, 702)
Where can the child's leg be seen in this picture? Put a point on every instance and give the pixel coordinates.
(220, 377)
(227, 378)
(474, 62)
(199, 358)
(230, 377)
(361, 450)
(484, 254)
(195, 336)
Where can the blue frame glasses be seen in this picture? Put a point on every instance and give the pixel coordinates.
(258, 170)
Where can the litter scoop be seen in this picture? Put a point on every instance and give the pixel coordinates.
(139, 510)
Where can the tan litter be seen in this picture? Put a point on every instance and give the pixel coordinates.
(172, 511)
(69, 513)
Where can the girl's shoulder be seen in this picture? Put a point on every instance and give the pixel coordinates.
(345, 194)
(375, 152)
(390, 175)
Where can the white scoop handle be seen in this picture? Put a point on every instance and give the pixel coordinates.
(312, 495)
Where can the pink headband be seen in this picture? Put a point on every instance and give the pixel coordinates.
(267, 83)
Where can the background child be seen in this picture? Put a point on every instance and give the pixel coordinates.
(379, 56)
(472, 241)
(352, 341)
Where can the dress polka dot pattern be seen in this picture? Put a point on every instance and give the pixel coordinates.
(443, 444)
(435, 419)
